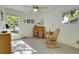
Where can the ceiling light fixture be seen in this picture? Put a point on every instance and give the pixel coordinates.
(35, 8)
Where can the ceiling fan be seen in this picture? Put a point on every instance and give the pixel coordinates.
(37, 8)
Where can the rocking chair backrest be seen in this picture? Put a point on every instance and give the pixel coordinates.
(56, 33)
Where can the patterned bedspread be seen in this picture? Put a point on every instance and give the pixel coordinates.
(20, 47)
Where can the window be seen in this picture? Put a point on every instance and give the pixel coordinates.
(65, 17)
(13, 24)
(70, 17)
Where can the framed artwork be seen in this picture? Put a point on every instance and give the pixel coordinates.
(30, 21)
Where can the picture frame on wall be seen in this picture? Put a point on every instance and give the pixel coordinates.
(30, 21)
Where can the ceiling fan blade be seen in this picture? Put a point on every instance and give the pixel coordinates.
(43, 7)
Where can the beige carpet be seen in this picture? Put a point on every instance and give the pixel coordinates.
(40, 47)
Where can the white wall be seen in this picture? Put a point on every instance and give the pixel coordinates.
(69, 32)
(2, 22)
(25, 29)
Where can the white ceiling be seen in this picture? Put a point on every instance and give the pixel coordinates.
(28, 8)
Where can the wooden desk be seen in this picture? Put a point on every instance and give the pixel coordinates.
(5, 43)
